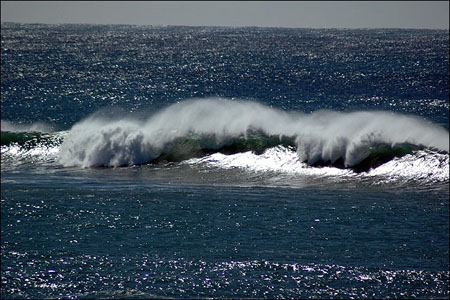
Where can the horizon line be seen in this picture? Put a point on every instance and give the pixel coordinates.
(222, 26)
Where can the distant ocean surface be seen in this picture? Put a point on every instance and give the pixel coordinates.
(192, 162)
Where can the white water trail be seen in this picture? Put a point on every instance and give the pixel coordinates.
(424, 165)
(322, 135)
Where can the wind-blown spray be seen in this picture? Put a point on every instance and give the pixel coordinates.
(326, 136)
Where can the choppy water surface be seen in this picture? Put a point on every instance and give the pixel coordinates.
(100, 240)
(187, 162)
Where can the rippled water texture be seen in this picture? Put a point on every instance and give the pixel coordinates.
(48, 70)
(167, 241)
(192, 162)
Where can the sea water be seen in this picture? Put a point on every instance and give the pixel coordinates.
(187, 162)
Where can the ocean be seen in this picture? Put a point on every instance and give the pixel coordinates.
(221, 162)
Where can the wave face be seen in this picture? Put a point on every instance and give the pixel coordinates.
(194, 128)
(426, 166)
(31, 149)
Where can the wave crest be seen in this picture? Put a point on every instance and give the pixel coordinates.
(40, 126)
(194, 127)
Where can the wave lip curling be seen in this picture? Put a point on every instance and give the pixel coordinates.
(346, 138)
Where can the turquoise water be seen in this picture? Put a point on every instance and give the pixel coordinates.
(187, 162)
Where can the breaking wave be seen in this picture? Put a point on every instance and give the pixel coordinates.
(195, 128)
(29, 140)
(422, 165)
(29, 144)
(228, 134)
(41, 127)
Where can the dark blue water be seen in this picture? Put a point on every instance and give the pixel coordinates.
(114, 184)
(48, 70)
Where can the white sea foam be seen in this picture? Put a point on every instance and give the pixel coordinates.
(423, 165)
(277, 159)
(323, 135)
